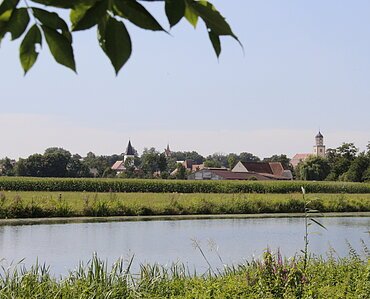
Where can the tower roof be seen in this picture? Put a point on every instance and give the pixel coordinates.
(319, 135)
(130, 149)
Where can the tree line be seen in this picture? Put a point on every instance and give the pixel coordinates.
(59, 162)
(344, 163)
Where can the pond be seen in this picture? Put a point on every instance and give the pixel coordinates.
(62, 246)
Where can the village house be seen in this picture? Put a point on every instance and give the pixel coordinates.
(272, 170)
(260, 171)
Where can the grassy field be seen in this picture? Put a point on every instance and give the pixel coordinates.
(270, 277)
(75, 204)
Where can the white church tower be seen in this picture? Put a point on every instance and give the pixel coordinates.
(319, 148)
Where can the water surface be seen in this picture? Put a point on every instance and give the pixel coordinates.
(62, 246)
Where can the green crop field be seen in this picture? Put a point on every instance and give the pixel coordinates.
(169, 186)
(26, 204)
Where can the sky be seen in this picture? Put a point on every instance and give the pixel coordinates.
(305, 67)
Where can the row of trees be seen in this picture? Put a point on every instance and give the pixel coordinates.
(58, 162)
(345, 163)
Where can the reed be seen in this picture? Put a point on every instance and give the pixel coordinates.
(272, 276)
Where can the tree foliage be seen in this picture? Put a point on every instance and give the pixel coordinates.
(314, 168)
(36, 22)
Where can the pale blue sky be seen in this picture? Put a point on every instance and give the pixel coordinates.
(306, 66)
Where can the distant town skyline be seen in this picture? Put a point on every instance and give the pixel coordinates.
(306, 67)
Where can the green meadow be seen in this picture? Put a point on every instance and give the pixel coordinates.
(26, 204)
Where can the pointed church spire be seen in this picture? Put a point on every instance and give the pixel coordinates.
(130, 150)
(167, 151)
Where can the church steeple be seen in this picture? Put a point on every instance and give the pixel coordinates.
(319, 148)
(167, 151)
(130, 150)
(130, 153)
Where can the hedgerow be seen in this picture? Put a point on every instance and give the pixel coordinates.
(169, 186)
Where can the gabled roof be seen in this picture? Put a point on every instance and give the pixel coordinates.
(259, 167)
(277, 168)
(119, 165)
(319, 135)
(130, 150)
(229, 175)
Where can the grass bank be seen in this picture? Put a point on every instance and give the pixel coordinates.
(170, 186)
(270, 277)
(78, 204)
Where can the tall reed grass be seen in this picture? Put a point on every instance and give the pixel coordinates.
(272, 276)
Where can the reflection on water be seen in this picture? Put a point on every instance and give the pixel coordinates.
(63, 245)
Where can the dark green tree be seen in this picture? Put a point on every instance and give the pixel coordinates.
(357, 169)
(212, 163)
(149, 161)
(162, 163)
(314, 168)
(98, 163)
(181, 173)
(109, 173)
(32, 166)
(76, 169)
(56, 161)
(248, 157)
(216, 160)
(182, 156)
(232, 160)
(6, 167)
(340, 160)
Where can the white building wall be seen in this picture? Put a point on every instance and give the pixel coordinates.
(239, 167)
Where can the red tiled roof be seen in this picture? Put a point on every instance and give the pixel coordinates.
(277, 168)
(229, 175)
(118, 166)
(259, 167)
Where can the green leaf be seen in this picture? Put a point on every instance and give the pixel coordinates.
(53, 21)
(101, 32)
(18, 22)
(216, 43)
(213, 19)
(8, 5)
(60, 47)
(27, 50)
(318, 223)
(115, 42)
(4, 18)
(137, 14)
(85, 17)
(65, 3)
(175, 10)
(2, 30)
(190, 14)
